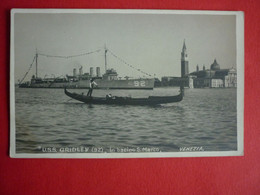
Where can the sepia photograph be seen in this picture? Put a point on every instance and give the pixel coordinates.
(126, 83)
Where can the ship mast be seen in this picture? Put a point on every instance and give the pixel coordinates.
(105, 58)
(36, 62)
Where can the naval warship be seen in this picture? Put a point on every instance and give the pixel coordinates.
(109, 80)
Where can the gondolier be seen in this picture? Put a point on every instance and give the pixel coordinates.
(92, 84)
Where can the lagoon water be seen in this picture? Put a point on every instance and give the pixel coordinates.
(47, 118)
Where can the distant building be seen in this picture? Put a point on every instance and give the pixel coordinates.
(184, 61)
(157, 82)
(185, 79)
(177, 81)
(214, 77)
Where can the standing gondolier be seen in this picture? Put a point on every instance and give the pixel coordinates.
(92, 84)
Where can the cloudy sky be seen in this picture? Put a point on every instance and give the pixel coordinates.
(149, 42)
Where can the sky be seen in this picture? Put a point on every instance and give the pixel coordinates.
(149, 42)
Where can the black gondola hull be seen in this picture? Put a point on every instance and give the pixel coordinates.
(151, 100)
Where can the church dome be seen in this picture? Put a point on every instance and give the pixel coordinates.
(215, 65)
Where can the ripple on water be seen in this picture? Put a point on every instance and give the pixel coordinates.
(206, 117)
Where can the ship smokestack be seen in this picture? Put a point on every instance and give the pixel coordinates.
(80, 71)
(98, 72)
(91, 72)
(74, 72)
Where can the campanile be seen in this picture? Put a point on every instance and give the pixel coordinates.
(184, 61)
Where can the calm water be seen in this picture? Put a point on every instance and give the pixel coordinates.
(47, 118)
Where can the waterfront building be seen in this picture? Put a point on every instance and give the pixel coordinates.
(186, 79)
(214, 77)
(184, 61)
(177, 81)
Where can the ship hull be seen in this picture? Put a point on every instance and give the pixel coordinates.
(101, 84)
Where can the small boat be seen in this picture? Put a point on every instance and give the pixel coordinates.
(115, 100)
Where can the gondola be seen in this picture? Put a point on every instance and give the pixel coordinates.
(115, 100)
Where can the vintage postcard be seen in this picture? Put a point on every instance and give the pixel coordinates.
(126, 83)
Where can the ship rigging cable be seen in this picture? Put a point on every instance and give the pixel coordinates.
(53, 56)
(120, 59)
(66, 57)
(28, 70)
(83, 54)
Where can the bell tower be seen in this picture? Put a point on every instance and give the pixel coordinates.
(184, 61)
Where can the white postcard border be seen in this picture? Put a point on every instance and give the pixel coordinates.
(240, 88)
